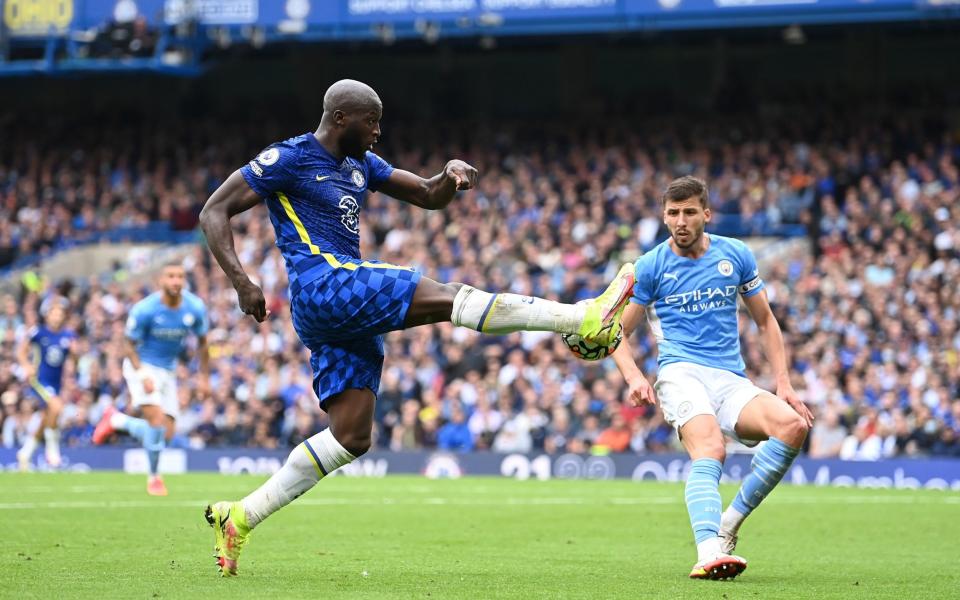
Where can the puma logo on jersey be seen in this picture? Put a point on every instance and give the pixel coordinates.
(323, 177)
(672, 276)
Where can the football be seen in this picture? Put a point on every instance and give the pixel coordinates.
(585, 350)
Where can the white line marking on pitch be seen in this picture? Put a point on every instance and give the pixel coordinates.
(502, 501)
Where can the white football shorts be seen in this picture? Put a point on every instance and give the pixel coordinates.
(686, 390)
(164, 392)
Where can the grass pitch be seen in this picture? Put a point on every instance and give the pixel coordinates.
(100, 536)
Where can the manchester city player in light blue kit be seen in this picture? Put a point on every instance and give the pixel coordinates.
(315, 186)
(43, 355)
(157, 329)
(689, 286)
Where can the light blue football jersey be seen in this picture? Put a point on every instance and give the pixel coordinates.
(160, 332)
(691, 304)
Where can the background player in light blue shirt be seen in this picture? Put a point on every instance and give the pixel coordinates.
(157, 330)
(315, 186)
(43, 355)
(689, 285)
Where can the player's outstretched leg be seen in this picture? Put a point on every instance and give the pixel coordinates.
(702, 495)
(154, 443)
(151, 437)
(232, 522)
(703, 441)
(25, 453)
(44, 423)
(597, 320)
(105, 428)
(787, 432)
(51, 441)
(51, 431)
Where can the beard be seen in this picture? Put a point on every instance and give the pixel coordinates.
(692, 239)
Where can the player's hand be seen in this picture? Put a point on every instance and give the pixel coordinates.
(462, 174)
(147, 384)
(786, 393)
(640, 391)
(252, 301)
(29, 371)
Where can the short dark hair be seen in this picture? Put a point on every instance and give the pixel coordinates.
(685, 187)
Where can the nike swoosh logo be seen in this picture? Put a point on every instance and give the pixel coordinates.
(324, 178)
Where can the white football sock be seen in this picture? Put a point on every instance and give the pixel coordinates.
(51, 436)
(309, 462)
(708, 548)
(507, 313)
(29, 447)
(731, 520)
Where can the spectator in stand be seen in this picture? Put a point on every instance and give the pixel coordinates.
(827, 436)
(863, 443)
(589, 432)
(615, 438)
(455, 435)
(871, 316)
(484, 423)
(408, 433)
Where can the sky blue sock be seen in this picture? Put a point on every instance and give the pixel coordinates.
(153, 444)
(703, 498)
(767, 469)
(138, 428)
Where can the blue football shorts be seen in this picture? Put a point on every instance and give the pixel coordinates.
(342, 314)
(42, 392)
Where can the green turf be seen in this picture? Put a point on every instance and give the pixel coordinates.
(99, 536)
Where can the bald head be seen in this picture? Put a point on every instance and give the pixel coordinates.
(350, 96)
(350, 125)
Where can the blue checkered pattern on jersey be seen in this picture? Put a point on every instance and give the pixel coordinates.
(341, 317)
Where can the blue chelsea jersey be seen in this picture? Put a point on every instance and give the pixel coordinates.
(692, 303)
(51, 349)
(160, 332)
(314, 199)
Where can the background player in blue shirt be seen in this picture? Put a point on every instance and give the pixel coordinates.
(42, 356)
(689, 285)
(156, 331)
(315, 186)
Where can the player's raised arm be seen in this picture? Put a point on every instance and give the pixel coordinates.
(772, 339)
(233, 197)
(639, 391)
(434, 193)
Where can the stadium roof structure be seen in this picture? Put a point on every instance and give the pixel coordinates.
(63, 36)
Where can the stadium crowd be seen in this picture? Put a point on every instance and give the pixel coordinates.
(870, 317)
